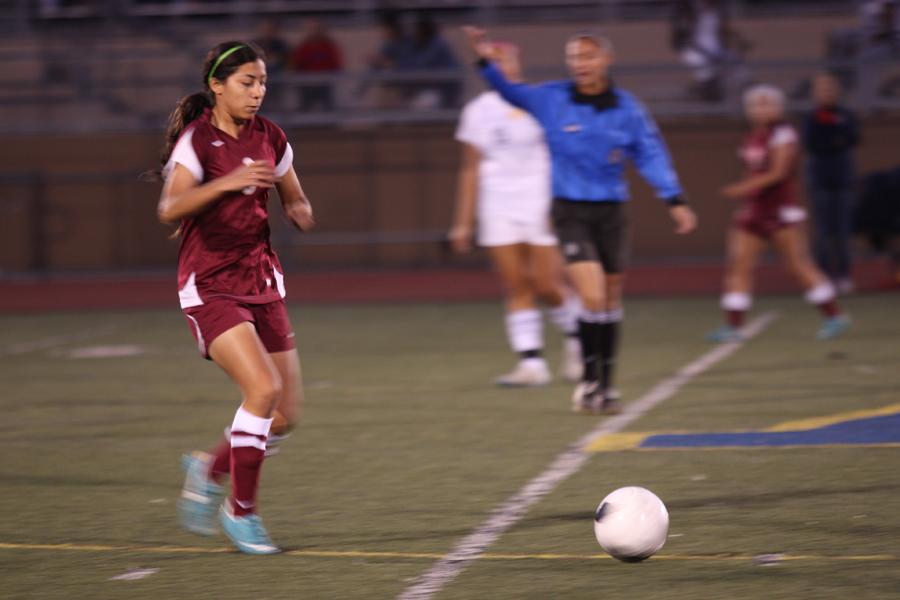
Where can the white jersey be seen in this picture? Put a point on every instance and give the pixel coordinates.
(514, 174)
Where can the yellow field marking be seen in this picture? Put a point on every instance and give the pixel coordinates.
(613, 442)
(819, 422)
(632, 440)
(433, 555)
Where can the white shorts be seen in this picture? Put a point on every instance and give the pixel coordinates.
(503, 231)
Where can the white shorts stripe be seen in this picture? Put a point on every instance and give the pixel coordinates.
(201, 343)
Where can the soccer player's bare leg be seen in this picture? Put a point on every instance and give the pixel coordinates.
(546, 274)
(285, 417)
(744, 249)
(511, 262)
(241, 354)
(791, 243)
(290, 404)
(546, 267)
(524, 324)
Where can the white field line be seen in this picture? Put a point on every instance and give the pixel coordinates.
(54, 341)
(564, 466)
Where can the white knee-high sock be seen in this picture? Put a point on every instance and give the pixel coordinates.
(565, 316)
(525, 330)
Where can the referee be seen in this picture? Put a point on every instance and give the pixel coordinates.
(592, 128)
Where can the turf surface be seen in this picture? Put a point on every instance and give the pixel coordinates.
(405, 448)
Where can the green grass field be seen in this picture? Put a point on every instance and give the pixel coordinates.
(405, 448)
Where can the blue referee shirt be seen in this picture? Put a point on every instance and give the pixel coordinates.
(590, 138)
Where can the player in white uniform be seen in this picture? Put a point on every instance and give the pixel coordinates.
(505, 173)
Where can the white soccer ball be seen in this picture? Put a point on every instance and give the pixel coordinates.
(631, 524)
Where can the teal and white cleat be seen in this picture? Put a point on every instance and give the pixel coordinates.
(725, 334)
(832, 327)
(200, 497)
(247, 533)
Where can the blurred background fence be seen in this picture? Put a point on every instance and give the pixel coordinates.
(85, 88)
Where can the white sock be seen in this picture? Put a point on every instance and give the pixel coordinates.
(824, 292)
(615, 315)
(249, 430)
(736, 301)
(592, 316)
(565, 316)
(525, 330)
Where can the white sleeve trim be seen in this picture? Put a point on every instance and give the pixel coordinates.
(286, 162)
(782, 136)
(184, 155)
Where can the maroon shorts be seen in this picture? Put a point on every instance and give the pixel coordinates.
(765, 223)
(209, 321)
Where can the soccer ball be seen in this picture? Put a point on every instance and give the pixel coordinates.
(631, 524)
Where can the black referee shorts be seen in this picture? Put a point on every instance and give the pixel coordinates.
(592, 231)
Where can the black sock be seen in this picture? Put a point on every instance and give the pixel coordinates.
(531, 353)
(607, 351)
(589, 334)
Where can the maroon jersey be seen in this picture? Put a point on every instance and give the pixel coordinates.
(225, 250)
(756, 154)
(774, 206)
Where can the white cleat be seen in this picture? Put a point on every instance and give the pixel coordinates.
(587, 398)
(530, 372)
(571, 367)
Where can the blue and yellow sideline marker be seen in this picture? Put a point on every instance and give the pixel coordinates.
(876, 427)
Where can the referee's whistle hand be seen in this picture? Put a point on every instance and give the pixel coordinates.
(685, 219)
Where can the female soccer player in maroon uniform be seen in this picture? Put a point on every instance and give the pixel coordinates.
(770, 213)
(220, 160)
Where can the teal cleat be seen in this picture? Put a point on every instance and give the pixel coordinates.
(832, 327)
(247, 533)
(200, 497)
(724, 334)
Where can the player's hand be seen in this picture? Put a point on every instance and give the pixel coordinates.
(300, 213)
(260, 174)
(736, 191)
(478, 41)
(685, 219)
(460, 239)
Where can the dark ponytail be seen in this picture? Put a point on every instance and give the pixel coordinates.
(220, 63)
(188, 108)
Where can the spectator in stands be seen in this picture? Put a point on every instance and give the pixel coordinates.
(431, 52)
(706, 42)
(877, 216)
(396, 53)
(880, 43)
(269, 40)
(830, 133)
(317, 53)
(880, 27)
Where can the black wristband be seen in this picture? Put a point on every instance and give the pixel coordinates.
(678, 200)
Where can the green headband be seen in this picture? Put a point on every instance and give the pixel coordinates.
(219, 60)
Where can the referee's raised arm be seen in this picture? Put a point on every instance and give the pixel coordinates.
(521, 95)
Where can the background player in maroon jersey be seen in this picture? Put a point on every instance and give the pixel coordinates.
(770, 213)
(220, 161)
